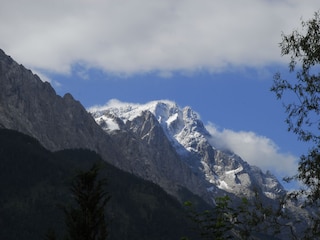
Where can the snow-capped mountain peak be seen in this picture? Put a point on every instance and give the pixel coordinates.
(191, 140)
(128, 111)
(180, 124)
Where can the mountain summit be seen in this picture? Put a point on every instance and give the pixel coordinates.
(218, 170)
(31, 106)
(157, 141)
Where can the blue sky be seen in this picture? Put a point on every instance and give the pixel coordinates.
(217, 56)
(236, 104)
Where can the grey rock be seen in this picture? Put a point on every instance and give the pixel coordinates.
(31, 106)
(176, 146)
(153, 157)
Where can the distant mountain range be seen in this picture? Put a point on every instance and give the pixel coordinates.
(160, 124)
(157, 141)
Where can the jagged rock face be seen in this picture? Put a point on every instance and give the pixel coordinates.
(162, 143)
(160, 124)
(31, 106)
(152, 156)
(237, 176)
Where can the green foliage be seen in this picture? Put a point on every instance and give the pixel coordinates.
(303, 48)
(87, 220)
(304, 51)
(248, 219)
(215, 224)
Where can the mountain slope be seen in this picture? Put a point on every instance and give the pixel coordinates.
(152, 156)
(34, 181)
(31, 106)
(159, 141)
(216, 169)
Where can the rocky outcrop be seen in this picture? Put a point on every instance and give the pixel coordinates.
(153, 157)
(177, 147)
(31, 106)
(163, 144)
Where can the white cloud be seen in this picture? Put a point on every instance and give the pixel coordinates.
(256, 150)
(44, 78)
(123, 36)
(114, 103)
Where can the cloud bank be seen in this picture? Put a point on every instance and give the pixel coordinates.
(138, 36)
(256, 150)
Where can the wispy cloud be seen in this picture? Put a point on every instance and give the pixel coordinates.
(113, 103)
(45, 78)
(255, 149)
(137, 36)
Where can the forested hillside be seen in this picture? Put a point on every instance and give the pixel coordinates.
(34, 182)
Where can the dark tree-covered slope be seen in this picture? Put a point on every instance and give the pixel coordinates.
(35, 181)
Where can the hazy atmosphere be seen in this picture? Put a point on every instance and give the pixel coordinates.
(218, 57)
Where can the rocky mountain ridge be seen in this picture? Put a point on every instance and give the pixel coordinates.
(162, 143)
(216, 169)
(31, 106)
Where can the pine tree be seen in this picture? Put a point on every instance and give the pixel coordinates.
(86, 220)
